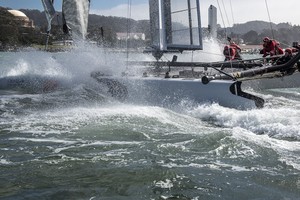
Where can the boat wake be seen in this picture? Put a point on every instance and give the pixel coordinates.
(59, 77)
(57, 82)
(223, 132)
(276, 122)
(279, 119)
(40, 72)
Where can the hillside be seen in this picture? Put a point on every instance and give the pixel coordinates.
(250, 32)
(118, 24)
(257, 26)
(115, 24)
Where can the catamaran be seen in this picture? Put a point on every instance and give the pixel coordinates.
(176, 26)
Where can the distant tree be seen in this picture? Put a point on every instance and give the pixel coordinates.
(251, 37)
(8, 29)
(29, 36)
(285, 37)
(104, 36)
(8, 35)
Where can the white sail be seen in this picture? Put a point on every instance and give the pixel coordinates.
(175, 24)
(49, 11)
(75, 17)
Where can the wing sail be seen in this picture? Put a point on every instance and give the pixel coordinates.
(75, 17)
(175, 25)
(49, 11)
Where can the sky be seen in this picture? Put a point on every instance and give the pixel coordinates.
(236, 11)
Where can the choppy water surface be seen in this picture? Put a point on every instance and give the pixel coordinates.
(76, 143)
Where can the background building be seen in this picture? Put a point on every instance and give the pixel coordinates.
(22, 19)
(135, 36)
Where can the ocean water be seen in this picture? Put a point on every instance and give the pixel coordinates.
(62, 138)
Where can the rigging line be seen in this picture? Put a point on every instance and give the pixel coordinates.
(270, 19)
(230, 56)
(226, 35)
(225, 13)
(128, 30)
(222, 17)
(183, 10)
(233, 21)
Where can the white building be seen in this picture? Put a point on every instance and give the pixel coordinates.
(135, 36)
(22, 19)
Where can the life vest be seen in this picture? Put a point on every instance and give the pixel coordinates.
(230, 53)
(272, 47)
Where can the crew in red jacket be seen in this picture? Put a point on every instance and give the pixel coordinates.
(237, 50)
(286, 57)
(271, 47)
(230, 53)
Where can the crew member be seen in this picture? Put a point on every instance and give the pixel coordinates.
(237, 49)
(288, 54)
(230, 53)
(271, 47)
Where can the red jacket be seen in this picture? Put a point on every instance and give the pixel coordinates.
(229, 53)
(234, 45)
(272, 48)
